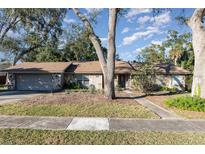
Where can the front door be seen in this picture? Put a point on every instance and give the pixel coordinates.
(121, 80)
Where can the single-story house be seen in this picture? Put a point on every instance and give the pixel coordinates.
(52, 76)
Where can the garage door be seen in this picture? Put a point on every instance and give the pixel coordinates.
(38, 82)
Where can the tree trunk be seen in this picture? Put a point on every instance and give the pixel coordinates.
(107, 66)
(110, 91)
(198, 40)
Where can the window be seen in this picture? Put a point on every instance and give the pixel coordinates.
(83, 80)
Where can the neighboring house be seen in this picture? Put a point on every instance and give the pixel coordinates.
(52, 76)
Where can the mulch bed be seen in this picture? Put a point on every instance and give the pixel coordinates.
(76, 97)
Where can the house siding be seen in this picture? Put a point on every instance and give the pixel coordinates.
(95, 80)
(171, 81)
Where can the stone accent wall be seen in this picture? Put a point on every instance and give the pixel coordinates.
(11, 81)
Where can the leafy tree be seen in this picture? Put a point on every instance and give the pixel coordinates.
(25, 30)
(76, 48)
(176, 47)
(181, 50)
(46, 54)
(153, 53)
(80, 49)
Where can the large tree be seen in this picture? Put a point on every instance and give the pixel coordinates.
(180, 48)
(108, 64)
(196, 24)
(153, 53)
(80, 48)
(76, 47)
(25, 30)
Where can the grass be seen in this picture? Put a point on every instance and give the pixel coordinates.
(28, 136)
(187, 103)
(3, 88)
(78, 110)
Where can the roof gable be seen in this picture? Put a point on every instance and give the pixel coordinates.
(165, 69)
(93, 67)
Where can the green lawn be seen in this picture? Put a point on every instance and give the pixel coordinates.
(28, 136)
(78, 110)
(3, 88)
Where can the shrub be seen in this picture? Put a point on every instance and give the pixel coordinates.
(187, 103)
(76, 90)
(172, 90)
(74, 85)
(144, 78)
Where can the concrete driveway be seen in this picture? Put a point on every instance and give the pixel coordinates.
(13, 96)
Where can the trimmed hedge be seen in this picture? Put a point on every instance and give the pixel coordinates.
(187, 103)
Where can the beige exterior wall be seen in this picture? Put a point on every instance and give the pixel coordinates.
(178, 81)
(96, 80)
(116, 81)
(163, 80)
(171, 81)
(128, 82)
(86, 79)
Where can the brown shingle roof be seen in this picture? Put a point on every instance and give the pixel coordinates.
(85, 67)
(165, 68)
(170, 69)
(93, 67)
(41, 67)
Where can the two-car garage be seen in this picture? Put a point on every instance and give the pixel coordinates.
(34, 76)
(36, 82)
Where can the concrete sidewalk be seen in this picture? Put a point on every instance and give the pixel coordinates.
(95, 124)
(162, 112)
